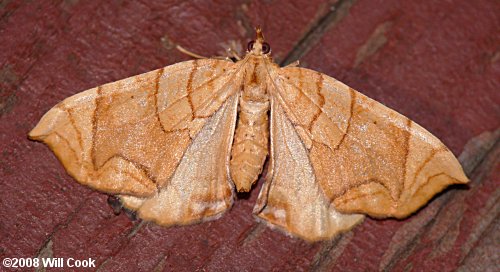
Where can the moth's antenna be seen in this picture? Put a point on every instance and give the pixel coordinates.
(231, 52)
(189, 53)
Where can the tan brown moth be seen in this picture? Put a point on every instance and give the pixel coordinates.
(175, 142)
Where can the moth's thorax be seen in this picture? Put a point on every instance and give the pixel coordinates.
(255, 79)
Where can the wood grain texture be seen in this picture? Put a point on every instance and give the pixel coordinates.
(435, 54)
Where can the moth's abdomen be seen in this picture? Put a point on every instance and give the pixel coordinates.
(250, 146)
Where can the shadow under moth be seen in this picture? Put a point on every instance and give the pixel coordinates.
(175, 143)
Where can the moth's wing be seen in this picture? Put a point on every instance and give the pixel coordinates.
(291, 198)
(366, 158)
(128, 137)
(199, 188)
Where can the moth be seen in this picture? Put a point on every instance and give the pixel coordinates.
(176, 143)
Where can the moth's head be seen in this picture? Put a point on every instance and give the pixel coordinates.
(259, 47)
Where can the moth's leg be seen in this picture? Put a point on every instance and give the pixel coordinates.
(232, 54)
(293, 64)
(115, 204)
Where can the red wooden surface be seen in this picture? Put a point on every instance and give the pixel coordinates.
(438, 62)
